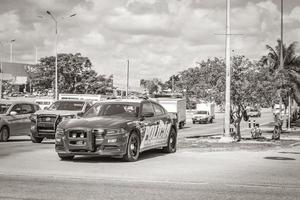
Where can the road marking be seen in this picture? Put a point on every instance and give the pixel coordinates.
(265, 185)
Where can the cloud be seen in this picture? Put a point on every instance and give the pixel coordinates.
(159, 37)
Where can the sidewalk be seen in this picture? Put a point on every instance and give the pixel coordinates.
(288, 139)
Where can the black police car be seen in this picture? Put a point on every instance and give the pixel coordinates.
(121, 128)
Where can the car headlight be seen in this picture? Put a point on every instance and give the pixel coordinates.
(115, 131)
(33, 118)
(59, 132)
(66, 117)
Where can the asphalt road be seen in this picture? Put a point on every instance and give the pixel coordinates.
(34, 171)
(217, 127)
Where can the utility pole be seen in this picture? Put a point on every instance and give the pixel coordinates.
(11, 49)
(227, 91)
(36, 55)
(281, 63)
(127, 81)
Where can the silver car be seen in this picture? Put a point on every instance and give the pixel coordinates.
(14, 118)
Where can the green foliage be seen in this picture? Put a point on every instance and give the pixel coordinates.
(286, 81)
(75, 75)
(152, 86)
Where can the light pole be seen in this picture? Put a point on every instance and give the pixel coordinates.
(227, 91)
(1, 71)
(11, 49)
(127, 79)
(56, 36)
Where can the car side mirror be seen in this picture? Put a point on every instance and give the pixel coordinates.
(148, 114)
(80, 114)
(13, 113)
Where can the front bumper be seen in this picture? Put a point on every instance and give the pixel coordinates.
(109, 145)
(36, 133)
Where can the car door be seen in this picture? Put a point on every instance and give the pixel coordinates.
(15, 120)
(165, 123)
(26, 111)
(151, 124)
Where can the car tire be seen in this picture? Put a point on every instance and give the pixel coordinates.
(194, 122)
(36, 139)
(180, 126)
(4, 134)
(133, 148)
(65, 156)
(211, 120)
(172, 142)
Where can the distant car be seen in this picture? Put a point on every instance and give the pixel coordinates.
(252, 112)
(14, 118)
(44, 122)
(121, 128)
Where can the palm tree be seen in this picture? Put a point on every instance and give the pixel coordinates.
(286, 77)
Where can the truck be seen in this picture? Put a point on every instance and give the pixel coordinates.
(205, 112)
(176, 107)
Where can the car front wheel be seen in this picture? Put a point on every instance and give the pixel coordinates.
(36, 139)
(133, 148)
(65, 156)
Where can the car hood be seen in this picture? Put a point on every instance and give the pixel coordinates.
(97, 122)
(57, 112)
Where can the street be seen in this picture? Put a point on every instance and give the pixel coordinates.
(34, 171)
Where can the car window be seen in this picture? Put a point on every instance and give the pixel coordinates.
(36, 107)
(147, 108)
(158, 109)
(88, 105)
(67, 105)
(26, 109)
(16, 108)
(113, 109)
(4, 108)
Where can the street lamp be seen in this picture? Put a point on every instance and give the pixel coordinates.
(11, 49)
(1, 71)
(56, 35)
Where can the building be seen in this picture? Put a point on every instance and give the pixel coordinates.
(15, 74)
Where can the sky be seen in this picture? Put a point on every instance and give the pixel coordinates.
(158, 37)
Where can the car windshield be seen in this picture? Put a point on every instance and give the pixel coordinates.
(201, 112)
(67, 105)
(4, 108)
(112, 109)
(253, 110)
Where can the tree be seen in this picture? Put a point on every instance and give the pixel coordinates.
(286, 77)
(75, 75)
(152, 86)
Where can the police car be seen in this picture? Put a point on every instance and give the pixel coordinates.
(121, 128)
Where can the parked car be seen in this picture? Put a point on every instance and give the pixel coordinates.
(44, 122)
(122, 128)
(254, 112)
(14, 118)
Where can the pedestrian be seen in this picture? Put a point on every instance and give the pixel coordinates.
(278, 126)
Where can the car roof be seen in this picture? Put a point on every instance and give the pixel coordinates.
(134, 101)
(73, 100)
